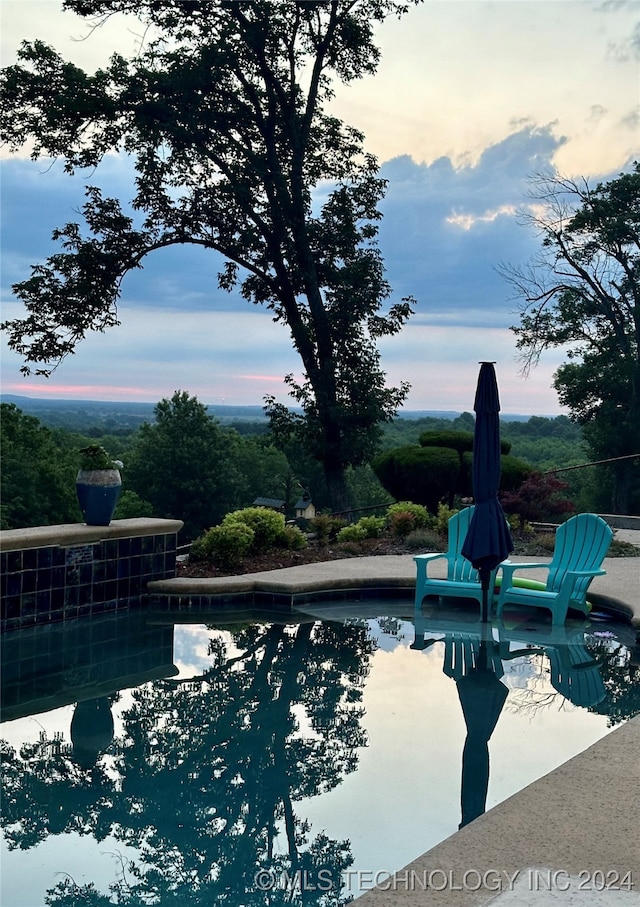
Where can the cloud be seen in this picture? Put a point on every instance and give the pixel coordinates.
(446, 228)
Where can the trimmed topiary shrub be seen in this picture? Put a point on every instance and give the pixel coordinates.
(514, 472)
(423, 474)
(457, 440)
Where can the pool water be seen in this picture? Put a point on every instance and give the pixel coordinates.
(240, 763)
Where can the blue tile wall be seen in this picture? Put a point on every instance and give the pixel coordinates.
(53, 583)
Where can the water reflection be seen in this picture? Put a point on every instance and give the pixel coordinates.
(473, 657)
(204, 777)
(208, 776)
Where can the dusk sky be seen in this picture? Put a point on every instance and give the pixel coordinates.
(470, 99)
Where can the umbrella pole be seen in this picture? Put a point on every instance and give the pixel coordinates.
(485, 598)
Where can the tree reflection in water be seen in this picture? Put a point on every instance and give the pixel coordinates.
(204, 778)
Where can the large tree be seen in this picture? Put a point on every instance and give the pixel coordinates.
(582, 294)
(224, 113)
(185, 464)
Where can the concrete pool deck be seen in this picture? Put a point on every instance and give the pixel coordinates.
(570, 838)
(620, 586)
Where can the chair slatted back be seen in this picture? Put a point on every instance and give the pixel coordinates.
(459, 569)
(581, 544)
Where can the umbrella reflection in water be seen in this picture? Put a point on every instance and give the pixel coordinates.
(482, 696)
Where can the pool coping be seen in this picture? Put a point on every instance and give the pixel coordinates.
(367, 576)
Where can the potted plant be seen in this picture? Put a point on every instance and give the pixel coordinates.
(98, 485)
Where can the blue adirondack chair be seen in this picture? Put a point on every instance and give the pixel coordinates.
(581, 545)
(462, 580)
(574, 673)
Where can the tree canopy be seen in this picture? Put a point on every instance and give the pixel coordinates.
(223, 112)
(582, 294)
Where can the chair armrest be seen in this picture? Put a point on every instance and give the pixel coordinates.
(596, 572)
(421, 558)
(508, 569)
(422, 565)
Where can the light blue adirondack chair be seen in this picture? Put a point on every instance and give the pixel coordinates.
(573, 672)
(462, 580)
(581, 545)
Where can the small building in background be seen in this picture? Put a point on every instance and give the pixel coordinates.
(305, 509)
(270, 504)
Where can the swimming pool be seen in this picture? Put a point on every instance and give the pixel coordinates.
(239, 762)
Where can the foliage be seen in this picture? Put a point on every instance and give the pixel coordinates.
(96, 457)
(292, 538)
(462, 441)
(184, 464)
(223, 111)
(539, 498)
(513, 472)
(252, 530)
(38, 475)
(327, 527)
(226, 544)
(353, 533)
(420, 513)
(443, 516)
(424, 540)
(582, 294)
(131, 506)
(424, 474)
(372, 525)
(367, 527)
(365, 488)
(405, 517)
(266, 525)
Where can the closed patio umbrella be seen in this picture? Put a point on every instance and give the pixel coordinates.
(488, 540)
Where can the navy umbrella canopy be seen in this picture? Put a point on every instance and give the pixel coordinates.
(488, 540)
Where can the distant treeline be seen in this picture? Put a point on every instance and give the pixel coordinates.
(192, 445)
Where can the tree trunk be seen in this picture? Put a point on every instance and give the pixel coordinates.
(622, 479)
(337, 487)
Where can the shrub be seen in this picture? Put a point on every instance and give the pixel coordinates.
(354, 533)
(455, 439)
(424, 539)
(402, 522)
(513, 473)
(442, 518)
(226, 544)
(426, 474)
(267, 525)
(372, 525)
(292, 538)
(421, 515)
(539, 498)
(326, 527)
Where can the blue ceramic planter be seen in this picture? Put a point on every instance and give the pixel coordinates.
(98, 492)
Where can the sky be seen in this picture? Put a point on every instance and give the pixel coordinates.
(470, 99)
